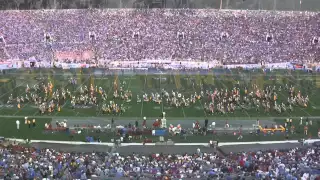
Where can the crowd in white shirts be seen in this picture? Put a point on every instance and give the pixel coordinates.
(231, 37)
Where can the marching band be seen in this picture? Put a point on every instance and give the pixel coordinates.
(217, 101)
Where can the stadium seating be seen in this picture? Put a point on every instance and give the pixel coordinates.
(295, 163)
(227, 36)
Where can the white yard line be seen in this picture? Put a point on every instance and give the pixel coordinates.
(5, 83)
(294, 106)
(205, 113)
(184, 114)
(226, 87)
(244, 109)
(128, 86)
(5, 94)
(65, 103)
(316, 107)
(161, 96)
(49, 100)
(144, 87)
(108, 95)
(310, 102)
(24, 105)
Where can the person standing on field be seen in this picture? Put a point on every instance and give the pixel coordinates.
(29, 123)
(34, 122)
(198, 151)
(18, 124)
(306, 130)
(144, 123)
(240, 133)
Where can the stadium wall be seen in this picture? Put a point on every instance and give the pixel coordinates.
(148, 64)
(309, 141)
(283, 5)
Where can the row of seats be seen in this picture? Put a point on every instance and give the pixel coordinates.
(228, 36)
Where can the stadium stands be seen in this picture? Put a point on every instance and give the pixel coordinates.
(17, 162)
(127, 34)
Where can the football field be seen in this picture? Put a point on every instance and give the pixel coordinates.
(185, 84)
(151, 83)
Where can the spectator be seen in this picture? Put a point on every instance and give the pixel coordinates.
(19, 162)
(230, 37)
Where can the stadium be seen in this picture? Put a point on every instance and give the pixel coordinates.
(160, 89)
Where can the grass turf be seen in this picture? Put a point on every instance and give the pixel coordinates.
(8, 129)
(15, 83)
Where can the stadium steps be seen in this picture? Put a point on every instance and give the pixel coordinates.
(3, 54)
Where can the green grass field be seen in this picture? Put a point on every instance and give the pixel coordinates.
(186, 84)
(9, 130)
(15, 83)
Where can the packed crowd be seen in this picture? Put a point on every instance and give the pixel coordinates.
(228, 36)
(29, 163)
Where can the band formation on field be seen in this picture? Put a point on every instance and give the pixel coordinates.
(225, 93)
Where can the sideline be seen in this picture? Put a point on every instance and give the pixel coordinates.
(187, 119)
(153, 144)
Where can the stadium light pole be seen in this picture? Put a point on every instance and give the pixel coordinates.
(220, 4)
(300, 5)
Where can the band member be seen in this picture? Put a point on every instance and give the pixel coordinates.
(144, 124)
(34, 122)
(29, 123)
(306, 130)
(197, 126)
(18, 124)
